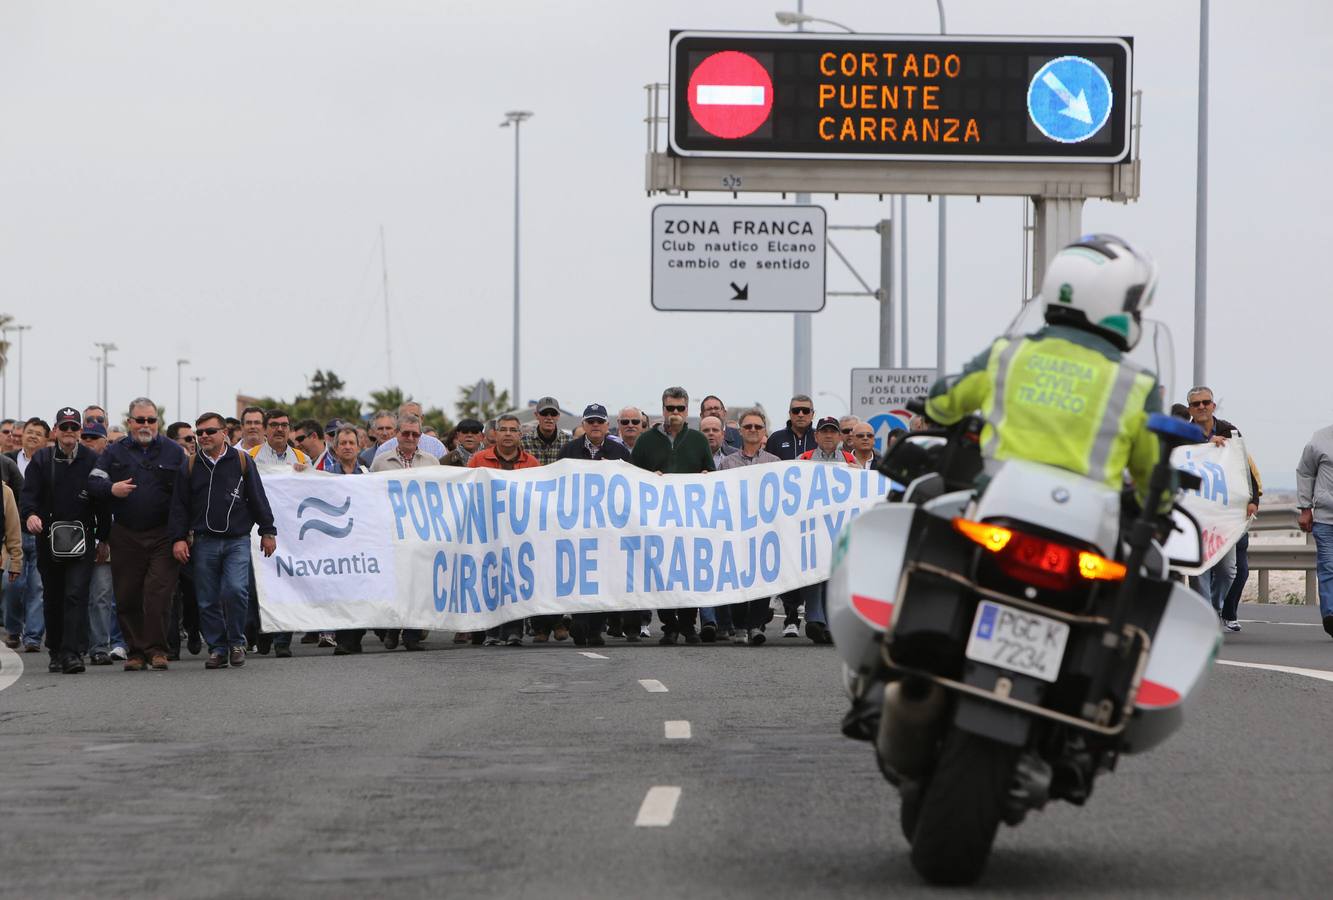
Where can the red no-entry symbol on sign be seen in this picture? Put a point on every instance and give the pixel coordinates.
(730, 94)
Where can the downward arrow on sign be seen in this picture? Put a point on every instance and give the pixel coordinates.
(1075, 107)
(742, 293)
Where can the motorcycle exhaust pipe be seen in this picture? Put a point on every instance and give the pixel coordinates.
(910, 727)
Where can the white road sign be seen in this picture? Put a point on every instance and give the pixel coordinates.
(737, 258)
(879, 396)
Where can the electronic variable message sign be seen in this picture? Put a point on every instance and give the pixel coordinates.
(918, 97)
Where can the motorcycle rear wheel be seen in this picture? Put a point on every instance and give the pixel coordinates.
(961, 807)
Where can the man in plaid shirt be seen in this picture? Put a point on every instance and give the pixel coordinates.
(549, 438)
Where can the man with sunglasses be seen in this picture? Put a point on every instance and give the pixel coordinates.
(7, 435)
(547, 440)
(846, 426)
(406, 454)
(712, 405)
(277, 450)
(789, 443)
(105, 642)
(467, 441)
(673, 448)
(1219, 583)
(749, 617)
(428, 443)
(183, 434)
(184, 603)
(137, 475)
(56, 502)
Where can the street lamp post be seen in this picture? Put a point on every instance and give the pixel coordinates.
(942, 273)
(107, 347)
(148, 380)
(196, 379)
(516, 118)
(20, 329)
(1201, 209)
(179, 409)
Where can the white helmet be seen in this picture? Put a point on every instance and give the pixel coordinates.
(1101, 284)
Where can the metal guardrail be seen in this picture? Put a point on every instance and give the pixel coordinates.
(1265, 558)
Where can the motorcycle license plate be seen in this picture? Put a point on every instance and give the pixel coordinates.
(1019, 641)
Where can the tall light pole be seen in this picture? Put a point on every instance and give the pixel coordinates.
(196, 379)
(1201, 210)
(516, 118)
(179, 408)
(148, 380)
(942, 274)
(20, 329)
(107, 347)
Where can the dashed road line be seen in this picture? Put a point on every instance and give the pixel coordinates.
(653, 686)
(658, 808)
(591, 655)
(1290, 670)
(677, 730)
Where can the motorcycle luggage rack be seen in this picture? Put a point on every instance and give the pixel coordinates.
(1100, 725)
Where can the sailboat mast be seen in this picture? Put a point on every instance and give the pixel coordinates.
(388, 343)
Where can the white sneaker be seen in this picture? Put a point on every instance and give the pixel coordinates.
(327, 639)
(740, 636)
(756, 637)
(644, 632)
(119, 653)
(1231, 625)
(791, 631)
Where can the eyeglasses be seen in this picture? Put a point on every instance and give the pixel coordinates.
(800, 410)
(680, 408)
(300, 438)
(548, 412)
(865, 434)
(846, 431)
(279, 424)
(189, 438)
(752, 427)
(207, 432)
(469, 431)
(68, 426)
(629, 421)
(144, 420)
(1198, 404)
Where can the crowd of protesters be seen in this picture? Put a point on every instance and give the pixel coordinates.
(125, 542)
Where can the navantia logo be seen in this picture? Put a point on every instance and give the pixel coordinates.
(332, 529)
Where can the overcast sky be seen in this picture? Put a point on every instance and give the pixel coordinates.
(208, 180)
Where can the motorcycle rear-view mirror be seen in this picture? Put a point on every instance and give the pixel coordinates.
(1184, 546)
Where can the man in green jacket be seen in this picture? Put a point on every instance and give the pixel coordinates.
(673, 448)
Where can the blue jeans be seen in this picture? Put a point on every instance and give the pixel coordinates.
(1216, 582)
(719, 616)
(812, 595)
(1231, 603)
(23, 599)
(1323, 542)
(103, 626)
(222, 587)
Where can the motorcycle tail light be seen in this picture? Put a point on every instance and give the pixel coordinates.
(1039, 562)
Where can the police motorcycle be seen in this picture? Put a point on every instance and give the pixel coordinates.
(1004, 646)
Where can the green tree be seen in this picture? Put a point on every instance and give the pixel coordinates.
(480, 401)
(388, 399)
(322, 401)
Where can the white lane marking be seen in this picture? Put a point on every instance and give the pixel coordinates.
(677, 730)
(658, 807)
(653, 686)
(729, 95)
(1290, 670)
(11, 667)
(1266, 622)
(591, 655)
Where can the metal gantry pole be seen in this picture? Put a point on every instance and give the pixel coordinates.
(1201, 211)
(885, 230)
(802, 331)
(902, 272)
(941, 343)
(516, 118)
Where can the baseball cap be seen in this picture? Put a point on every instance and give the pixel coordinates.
(595, 411)
(96, 428)
(68, 414)
(827, 422)
(546, 403)
(469, 425)
(333, 426)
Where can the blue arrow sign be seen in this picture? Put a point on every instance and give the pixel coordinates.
(1070, 99)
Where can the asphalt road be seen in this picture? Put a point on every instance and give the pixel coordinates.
(480, 772)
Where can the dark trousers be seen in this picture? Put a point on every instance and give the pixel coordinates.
(545, 624)
(1231, 604)
(184, 610)
(791, 605)
(144, 574)
(591, 623)
(65, 585)
(750, 613)
(680, 621)
(350, 638)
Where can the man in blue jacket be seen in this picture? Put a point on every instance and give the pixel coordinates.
(220, 498)
(137, 474)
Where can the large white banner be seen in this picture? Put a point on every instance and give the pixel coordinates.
(1219, 503)
(465, 549)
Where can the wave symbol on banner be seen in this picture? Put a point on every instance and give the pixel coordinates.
(328, 509)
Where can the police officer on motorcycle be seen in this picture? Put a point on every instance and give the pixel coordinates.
(1067, 396)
